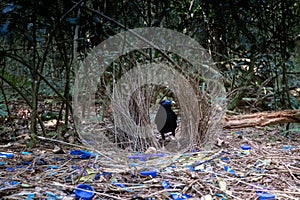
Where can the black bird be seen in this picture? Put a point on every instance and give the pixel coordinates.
(166, 119)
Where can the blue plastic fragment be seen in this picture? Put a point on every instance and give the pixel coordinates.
(7, 155)
(87, 155)
(119, 184)
(246, 147)
(134, 157)
(105, 174)
(191, 168)
(26, 163)
(3, 163)
(97, 177)
(52, 167)
(225, 159)
(51, 196)
(15, 183)
(152, 174)
(221, 195)
(166, 185)
(75, 167)
(177, 196)
(266, 196)
(77, 152)
(30, 196)
(83, 154)
(231, 171)
(11, 184)
(10, 169)
(287, 147)
(25, 153)
(88, 194)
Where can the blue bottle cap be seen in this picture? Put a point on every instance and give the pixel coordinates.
(246, 147)
(84, 195)
(265, 196)
(149, 173)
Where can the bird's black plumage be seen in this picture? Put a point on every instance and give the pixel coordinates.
(166, 119)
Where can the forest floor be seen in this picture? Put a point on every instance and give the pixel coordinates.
(54, 169)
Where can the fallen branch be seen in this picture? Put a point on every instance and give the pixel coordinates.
(262, 119)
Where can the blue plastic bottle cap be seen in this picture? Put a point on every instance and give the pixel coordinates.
(84, 195)
(268, 196)
(246, 147)
(149, 173)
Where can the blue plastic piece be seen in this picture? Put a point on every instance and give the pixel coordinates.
(30, 196)
(119, 184)
(191, 168)
(51, 196)
(287, 147)
(225, 159)
(84, 195)
(52, 167)
(231, 171)
(246, 147)
(75, 167)
(152, 174)
(86, 155)
(77, 152)
(26, 163)
(105, 174)
(266, 196)
(25, 153)
(82, 153)
(10, 169)
(176, 196)
(166, 185)
(6, 155)
(14, 183)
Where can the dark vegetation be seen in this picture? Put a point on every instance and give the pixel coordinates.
(255, 45)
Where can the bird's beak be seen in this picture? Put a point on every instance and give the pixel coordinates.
(173, 103)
